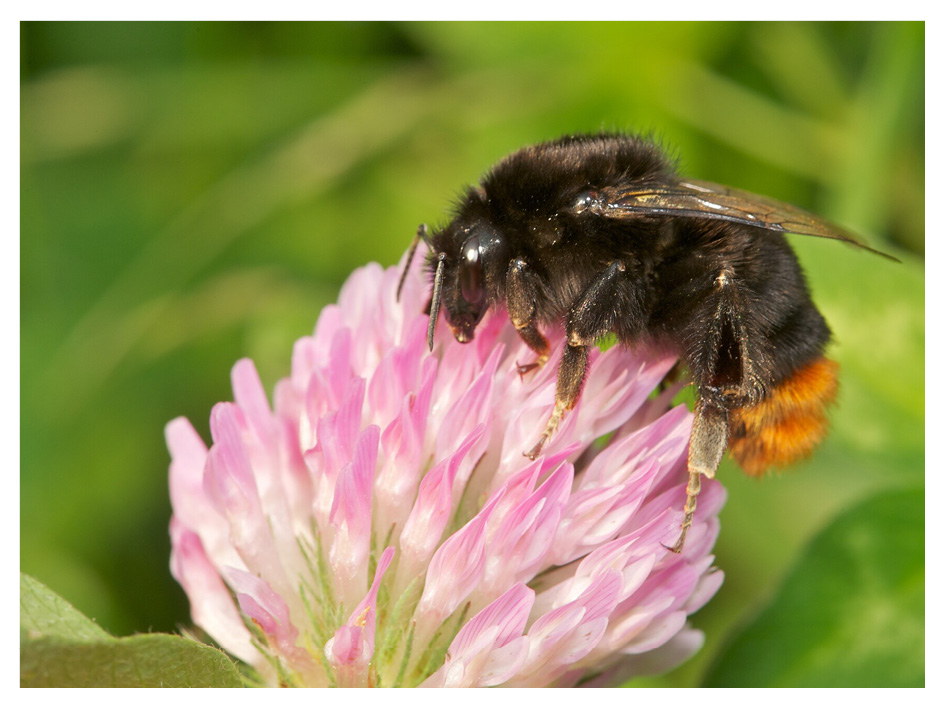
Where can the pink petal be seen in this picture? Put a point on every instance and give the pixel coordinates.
(706, 587)
(211, 605)
(517, 547)
(351, 648)
(564, 635)
(395, 486)
(250, 396)
(431, 512)
(396, 375)
(657, 633)
(192, 506)
(337, 434)
(230, 484)
(453, 572)
(507, 615)
(596, 515)
(262, 434)
(269, 611)
(617, 390)
(346, 647)
(351, 518)
(265, 607)
(489, 649)
(680, 648)
(471, 410)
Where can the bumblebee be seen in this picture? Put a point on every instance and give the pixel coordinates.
(600, 233)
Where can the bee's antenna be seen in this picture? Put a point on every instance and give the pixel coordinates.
(435, 300)
(421, 234)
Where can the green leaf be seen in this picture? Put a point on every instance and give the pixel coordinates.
(45, 614)
(60, 647)
(851, 613)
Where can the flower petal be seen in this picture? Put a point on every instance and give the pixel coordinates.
(211, 604)
(566, 634)
(490, 648)
(270, 613)
(454, 571)
(351, 649)
(351, 518)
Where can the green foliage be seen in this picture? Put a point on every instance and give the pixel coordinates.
(192, 193)
(60, 647)
(850, 614)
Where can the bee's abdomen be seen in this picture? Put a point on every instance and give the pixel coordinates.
(788, 424)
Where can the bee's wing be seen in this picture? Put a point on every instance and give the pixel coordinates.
(707, 200)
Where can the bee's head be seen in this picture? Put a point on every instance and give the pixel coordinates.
(467, 259)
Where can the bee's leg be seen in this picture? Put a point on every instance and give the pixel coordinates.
(724, 373)
(521, 295)
(609, 296)
(707, 443)
(571, 373)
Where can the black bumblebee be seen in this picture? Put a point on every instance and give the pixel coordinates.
(599, 233)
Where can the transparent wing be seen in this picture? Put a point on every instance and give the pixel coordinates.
(707, 200)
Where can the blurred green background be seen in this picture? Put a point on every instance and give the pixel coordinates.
(195, 193)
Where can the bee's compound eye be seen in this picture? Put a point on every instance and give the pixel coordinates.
(470, 271)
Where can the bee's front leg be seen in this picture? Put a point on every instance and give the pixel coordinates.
(521, 295)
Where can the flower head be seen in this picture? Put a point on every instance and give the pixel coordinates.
(379, 525)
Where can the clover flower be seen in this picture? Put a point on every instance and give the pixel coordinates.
(378, 525)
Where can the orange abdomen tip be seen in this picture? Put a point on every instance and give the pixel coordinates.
(788, 424)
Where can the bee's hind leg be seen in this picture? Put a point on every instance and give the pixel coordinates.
(706, 445)
(724, 372)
